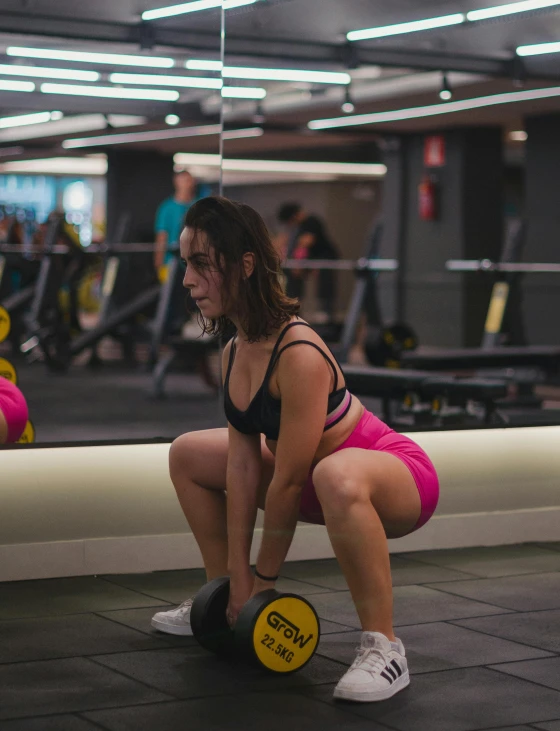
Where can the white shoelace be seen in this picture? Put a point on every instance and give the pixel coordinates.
(369, 659)
(187, 604)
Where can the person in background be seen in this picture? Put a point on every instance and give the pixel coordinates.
(170, 221)
(308, 239)
(170, 218)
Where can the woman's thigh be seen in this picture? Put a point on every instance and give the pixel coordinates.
(382, 478)
(202, 455)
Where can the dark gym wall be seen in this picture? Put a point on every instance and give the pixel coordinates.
(137, 182)
(449, 309)
(349, 210)
(542, 215)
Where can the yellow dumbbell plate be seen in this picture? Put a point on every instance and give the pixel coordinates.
(28, 436)
(5, 324)
(8, 371)
(286, 634)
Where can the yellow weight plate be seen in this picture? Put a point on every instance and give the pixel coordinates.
(7, 371)
(286, 634)
(5, 324)
(497, 308)
(28, 436)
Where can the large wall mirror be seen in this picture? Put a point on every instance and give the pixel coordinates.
(355, 144)
(109, 129)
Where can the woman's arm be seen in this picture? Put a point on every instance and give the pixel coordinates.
(304, 382)
(243, 477)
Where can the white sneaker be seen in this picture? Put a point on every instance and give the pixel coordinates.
(377, 673)
(175, 621)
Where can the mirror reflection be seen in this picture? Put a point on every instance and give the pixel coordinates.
(405, 199)
(93, 195)
(399, 213)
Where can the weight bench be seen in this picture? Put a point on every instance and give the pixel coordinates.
(424, 396)
(546, 358)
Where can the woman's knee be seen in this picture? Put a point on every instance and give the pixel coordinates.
(336, 487)
(184, 453)
(180, 450)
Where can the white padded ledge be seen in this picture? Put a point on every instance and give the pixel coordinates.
(112, 509)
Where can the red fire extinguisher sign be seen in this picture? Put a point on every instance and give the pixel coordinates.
(434, 151)
(427, 199)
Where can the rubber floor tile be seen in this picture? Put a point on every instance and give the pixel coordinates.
(66, 686)
(544, 672)
(537, 629)
(412, 605)
(194, 672)
(49, 597)
(490, 561)
(242, 712)
(435, 646)
(470, 699)
(74, 635)
(49, 723)
(521, 593)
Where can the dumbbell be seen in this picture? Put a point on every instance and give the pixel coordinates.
(275, 631)
(8, 371)
(5, 324)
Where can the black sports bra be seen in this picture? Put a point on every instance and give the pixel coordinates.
(263, 413)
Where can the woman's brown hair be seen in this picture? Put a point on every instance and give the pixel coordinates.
(232, 230)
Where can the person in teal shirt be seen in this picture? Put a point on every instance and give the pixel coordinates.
(170, 217)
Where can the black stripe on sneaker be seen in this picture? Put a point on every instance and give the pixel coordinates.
(397, 667)
(391, 672)
(387, 676)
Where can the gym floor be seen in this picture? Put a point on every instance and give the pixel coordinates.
(481, 628)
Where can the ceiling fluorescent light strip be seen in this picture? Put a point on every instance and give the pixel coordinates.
(24, 119)
(197, 158)
(239, 134)
(192, 82)
(16, 85)
(104, 59)
(292, 166)
(196, 64)
(111, 92)
(154, 136)
(400, 115)
(230, 4)
(46, 73)
(454, 19)
(243, 92)
(180, 9)
(318, 77)
(537, 49)
(510, 9)
(193, 7)
(410, 27)
(282, 166)
(57, 165)
(68, 126)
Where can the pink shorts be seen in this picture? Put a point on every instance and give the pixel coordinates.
(371, 433)
(14, 408)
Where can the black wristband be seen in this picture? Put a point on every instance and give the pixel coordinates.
(264, 578)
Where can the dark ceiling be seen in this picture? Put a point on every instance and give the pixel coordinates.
(387, 73)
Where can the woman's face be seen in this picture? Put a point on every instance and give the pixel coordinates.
(202, 277)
